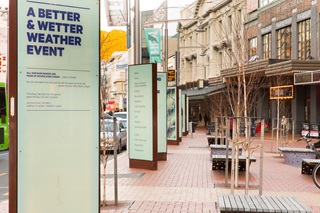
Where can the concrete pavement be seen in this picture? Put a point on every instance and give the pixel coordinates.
(186, 182)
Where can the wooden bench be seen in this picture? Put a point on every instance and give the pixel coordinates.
(294, 156)
(308, 165)
(219, 162)
(221, 149)
(211, 139)
(260, 203)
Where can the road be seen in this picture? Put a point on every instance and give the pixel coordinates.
(4, 175)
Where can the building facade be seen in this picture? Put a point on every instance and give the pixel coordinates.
(116, 78)
(278, 39)
(287, 38)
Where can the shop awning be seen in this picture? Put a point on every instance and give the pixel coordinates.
(201, 93)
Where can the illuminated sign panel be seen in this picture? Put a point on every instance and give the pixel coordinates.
(171, 75)
(58, 106)
(281, 92)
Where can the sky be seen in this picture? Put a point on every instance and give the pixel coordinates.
(147, 5)
(144, 5)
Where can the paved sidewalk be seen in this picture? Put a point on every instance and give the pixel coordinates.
(186, 183)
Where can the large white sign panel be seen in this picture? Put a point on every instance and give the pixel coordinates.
(58, 110)
(140, 112)
(162, 112)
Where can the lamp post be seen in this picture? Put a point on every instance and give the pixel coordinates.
(166, 21)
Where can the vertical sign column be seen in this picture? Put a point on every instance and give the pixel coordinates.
(162, 115)
(142, 116)
(56, 79)
(172, 116)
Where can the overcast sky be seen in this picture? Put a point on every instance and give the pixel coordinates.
(173, 11)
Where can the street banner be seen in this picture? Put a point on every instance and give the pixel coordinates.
(153, 40)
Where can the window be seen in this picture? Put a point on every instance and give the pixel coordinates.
(252, 47)
(266, 46)
(284, 43)
(264, 2)
(229, 24)
(304, 40)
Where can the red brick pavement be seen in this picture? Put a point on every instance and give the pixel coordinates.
(186, 183)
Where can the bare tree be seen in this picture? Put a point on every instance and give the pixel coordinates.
(242, 83)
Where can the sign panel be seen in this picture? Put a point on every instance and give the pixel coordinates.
(58, 110)
(281, 92)
(140, 112)
(162, 112)
(183, 112)
(171, 113)
(171, 75)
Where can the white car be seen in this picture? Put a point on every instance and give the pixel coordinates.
(106, 135)
(120, 115)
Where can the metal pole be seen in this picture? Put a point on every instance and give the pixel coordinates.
(261, 157)
(227, 152)
(248, 155)
(278, 127)
(137, 33)
(216, 131)
(165, 68)
(115, 153)
(292, 129)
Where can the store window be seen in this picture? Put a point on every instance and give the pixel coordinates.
(284, 43)
(304, 40)
(266, 46)
(252, 47)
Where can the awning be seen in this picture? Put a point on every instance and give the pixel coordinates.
(197, 94)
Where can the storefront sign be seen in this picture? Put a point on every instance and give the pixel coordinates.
(281, 92)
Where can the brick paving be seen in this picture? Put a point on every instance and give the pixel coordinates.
(186, 183)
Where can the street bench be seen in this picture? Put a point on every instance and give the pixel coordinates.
(219, 162)
(294, 156)
(308, 165)
(212, 139)
(260, 203)
(221, 149)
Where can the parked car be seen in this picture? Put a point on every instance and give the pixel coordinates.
(123, 123)
(120, 115)
(106, 135)
(107, 116)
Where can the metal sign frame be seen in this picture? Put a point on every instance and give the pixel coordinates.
(281, 92)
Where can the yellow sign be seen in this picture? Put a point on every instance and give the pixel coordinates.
(281, 92)
(171, 75)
